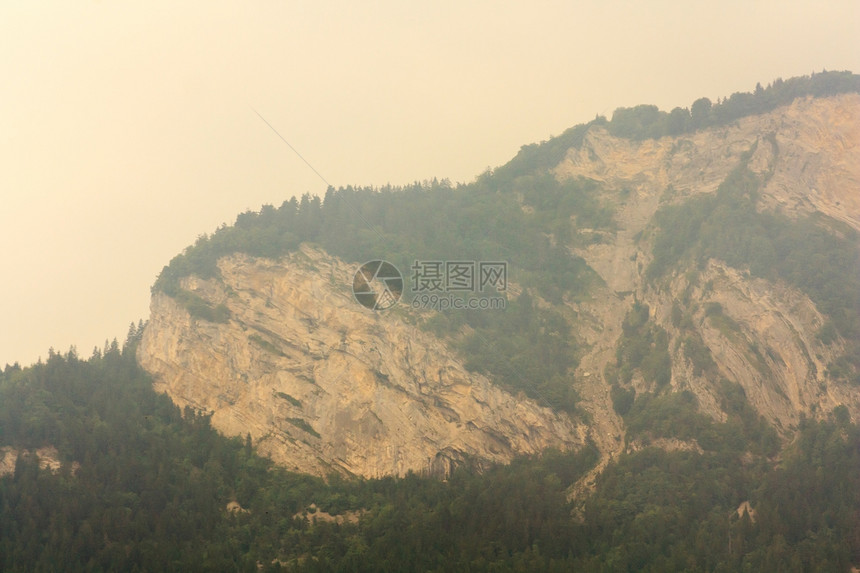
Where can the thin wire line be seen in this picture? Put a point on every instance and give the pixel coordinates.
(291, 147)
(342, 198)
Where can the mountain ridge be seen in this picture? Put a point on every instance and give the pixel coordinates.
(584, 242)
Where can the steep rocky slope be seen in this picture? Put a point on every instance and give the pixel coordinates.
(810, 150)
(323, 385)
(809, 154)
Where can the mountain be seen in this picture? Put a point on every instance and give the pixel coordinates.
(658, 370)
(705, 258)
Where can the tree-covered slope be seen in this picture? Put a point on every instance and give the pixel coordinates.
(152, 487)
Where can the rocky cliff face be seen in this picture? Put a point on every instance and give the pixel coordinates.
(810, 154)
(322, 384)
(810, 150)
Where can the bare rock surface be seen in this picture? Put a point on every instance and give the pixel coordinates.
(322, 384)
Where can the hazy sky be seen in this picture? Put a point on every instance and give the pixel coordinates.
(128, 128)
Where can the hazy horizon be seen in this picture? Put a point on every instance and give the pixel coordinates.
(127, 131)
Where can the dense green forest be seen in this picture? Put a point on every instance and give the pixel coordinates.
(152, 487)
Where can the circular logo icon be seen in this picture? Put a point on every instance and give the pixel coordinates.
(377, 285)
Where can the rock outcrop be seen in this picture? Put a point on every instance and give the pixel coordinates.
(324, 385)
(48, 457)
